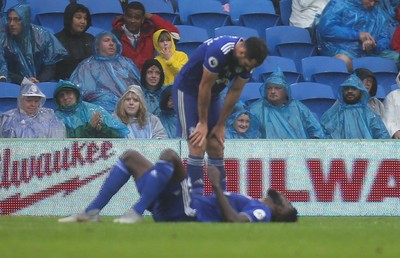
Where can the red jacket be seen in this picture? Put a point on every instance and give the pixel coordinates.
(145, 48)
(396, 34)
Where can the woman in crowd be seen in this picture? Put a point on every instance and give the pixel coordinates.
(31, 119)
(242, 125)
(74, 38)
(132, 111)
(152, 78)
(105, 76)
(83, 119)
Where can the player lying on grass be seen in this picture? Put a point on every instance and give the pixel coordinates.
(171, 195)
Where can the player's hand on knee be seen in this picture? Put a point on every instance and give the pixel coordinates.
(198, 136)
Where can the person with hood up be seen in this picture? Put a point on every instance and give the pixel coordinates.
(135, 30)
(391, 112)
(349, 29)
(351, 118)
(281, 116)
(105, 76)
(242, 125)
(168, 116)
(152, 78)
(30, 50)
(371, 84)
(74, 38)
(31, 119)
(170, 59)
(132, 111)
(3, 64)
(83, 119)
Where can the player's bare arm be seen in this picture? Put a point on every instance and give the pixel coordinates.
(198, 137)
(228, 213)
(231, 99)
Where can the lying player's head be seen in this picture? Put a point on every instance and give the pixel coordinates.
(281, 208)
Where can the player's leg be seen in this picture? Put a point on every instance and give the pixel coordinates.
(150, 184)
(186, 108)
(214, 149)
(130, 163)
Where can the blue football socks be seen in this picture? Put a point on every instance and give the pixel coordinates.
(195, 173)
(117, 177)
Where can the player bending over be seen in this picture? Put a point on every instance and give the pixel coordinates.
(164, 190)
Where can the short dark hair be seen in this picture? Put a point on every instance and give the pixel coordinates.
(290, 216)
(256, 49)
(136, 6)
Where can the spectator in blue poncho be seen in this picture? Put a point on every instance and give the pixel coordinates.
(242, 125)
(280, 115)
(168, 116)
(31, 119)
(350, 29)
(30, 51)
(105, 76)
(152, 78)
(83, 119)
(351, 118)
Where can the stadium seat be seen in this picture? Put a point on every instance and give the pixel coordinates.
(317, 97)
(394, 87)
(324, 69)
(285, 6)
(190, 38)
(8, 96)
(251, 92)
(48, 89)
(239, 31)
(94, 30)
(161, 8)
(207, 14)
(381, 93)
(384, 69)
(287, 66)
(10, 3)
(103, 13)
(257, 14)
(290, 41)
(49, 15)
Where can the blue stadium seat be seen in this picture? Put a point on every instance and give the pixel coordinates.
(161, 8)
(257, 14)
(103, 13)
(394, 87)
(8, 96)
(324, 69)
(290, 41)
(10, 3)
(239, 31)
(384, 69)
(48, 89)
(50, 14)
(94, 30)
(317, 97)
(190, 38)
(207, 14)
(287, 66)
(251, 92)
(285, 6)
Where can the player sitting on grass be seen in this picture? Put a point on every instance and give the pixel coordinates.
(164, 190)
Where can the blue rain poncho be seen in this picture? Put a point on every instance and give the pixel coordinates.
(77, 117)
(253, 131)
(293, 120)
(152, 96)
(342, 21)
(29, 53)
(353, 121)
(103, 79)
(3, 64)
(16, 123)
(168, 116)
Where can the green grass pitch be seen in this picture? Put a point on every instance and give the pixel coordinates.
(31, 237)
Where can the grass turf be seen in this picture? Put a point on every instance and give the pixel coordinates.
(43, 237)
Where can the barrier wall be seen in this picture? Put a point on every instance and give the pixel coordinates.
(320, 177)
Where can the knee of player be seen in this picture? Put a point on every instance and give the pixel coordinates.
(169, 155)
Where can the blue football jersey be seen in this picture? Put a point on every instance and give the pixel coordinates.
(216, 55)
